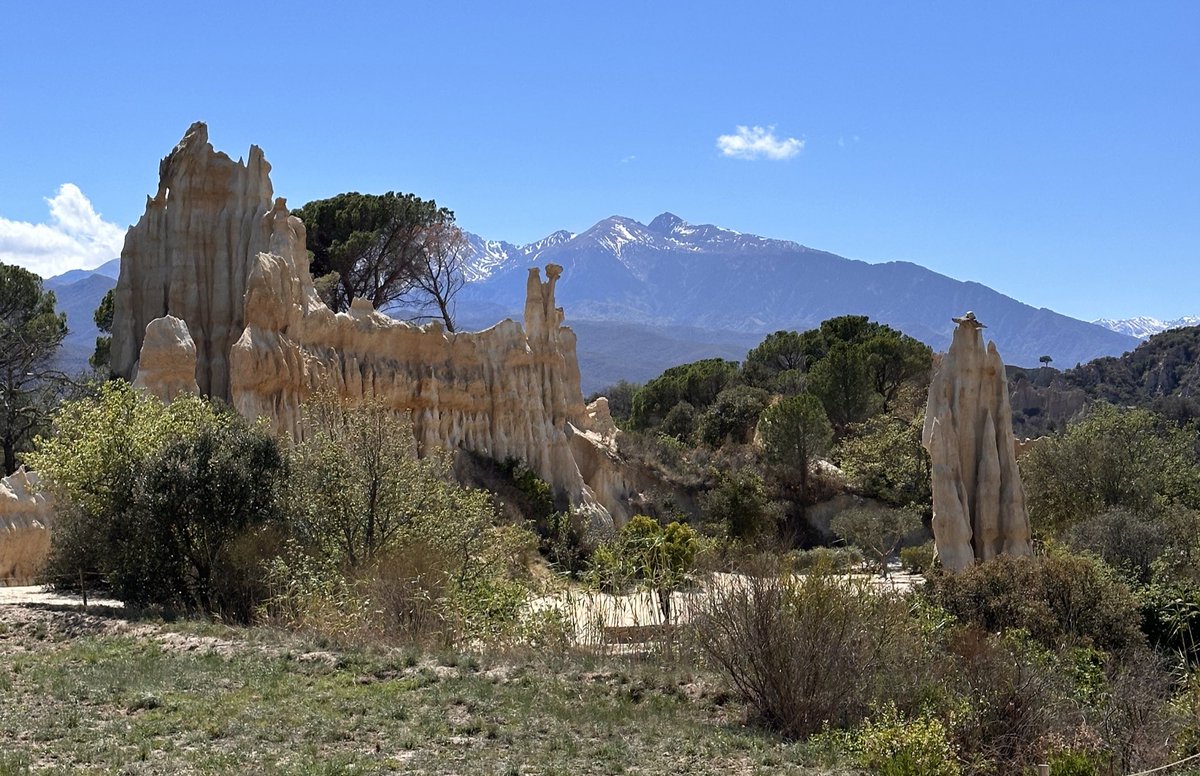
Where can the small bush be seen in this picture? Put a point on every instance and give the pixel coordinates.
(733, 415)
(741, 505)
(1071, 763)
(680, 422)
(810, 651)
(160, 500)
(918, 559)
(890, 745)
(826, 559)
(1060, 600)
(1122, 539)
(647, 553)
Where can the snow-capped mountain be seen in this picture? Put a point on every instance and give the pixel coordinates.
(1143, 326)
(486, 257)
(721, 283)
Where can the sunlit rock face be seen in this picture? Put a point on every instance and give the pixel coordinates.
(190, 256)
(26, 514)
(978, 502)
(167, 365)
(215, 252)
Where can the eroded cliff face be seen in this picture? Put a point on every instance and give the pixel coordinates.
(231, 267)
(190, 255)
(978, 501)
(26, 515)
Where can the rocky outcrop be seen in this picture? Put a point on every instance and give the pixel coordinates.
(231, 267)
(25, 518)
(190, 255)
(978, 502)
(167, 365)
(1039, 409)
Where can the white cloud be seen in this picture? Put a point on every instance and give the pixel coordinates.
(758, 143)
(75, 237)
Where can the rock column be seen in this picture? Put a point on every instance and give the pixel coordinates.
(978, 502)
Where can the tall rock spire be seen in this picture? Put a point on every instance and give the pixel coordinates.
(190, 255)
(978, 502)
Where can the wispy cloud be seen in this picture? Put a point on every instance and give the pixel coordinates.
(75, 237)
(628, 159)
(758, 143)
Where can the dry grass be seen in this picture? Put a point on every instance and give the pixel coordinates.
(88, 693)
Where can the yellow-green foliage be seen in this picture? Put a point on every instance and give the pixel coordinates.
(891, 745)
(153, 498)
(389, 541)
(647, 553)
(97, 441)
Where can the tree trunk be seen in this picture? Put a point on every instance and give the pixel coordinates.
(10, 454)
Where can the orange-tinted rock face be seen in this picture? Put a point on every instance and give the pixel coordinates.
(978, 502)
(215, 252)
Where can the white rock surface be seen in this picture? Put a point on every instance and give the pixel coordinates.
(167, 365)
(26, 516)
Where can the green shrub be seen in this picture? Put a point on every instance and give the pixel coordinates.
(647, 553)
(733, 415)
(1074, 764)
(1060, 600)
(1124, 540)
(157, 496)
(826, 559)
(885, 461)
(891, 745)
(680, 422)
(390, 543)
(918, 559)
(741, 505)
(1111, 458)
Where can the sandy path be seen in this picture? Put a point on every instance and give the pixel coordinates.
(36, 594)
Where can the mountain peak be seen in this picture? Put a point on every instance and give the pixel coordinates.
(1144, 326)
(665, 223)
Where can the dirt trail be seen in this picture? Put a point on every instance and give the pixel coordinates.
(37, 594)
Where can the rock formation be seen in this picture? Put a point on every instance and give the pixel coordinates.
(214, 257)
(190, 256)
(25, 518)
(978, 501)
(167, 364)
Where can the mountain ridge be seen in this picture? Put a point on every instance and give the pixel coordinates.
(671, 272)
(1144, 327)
(697, 290)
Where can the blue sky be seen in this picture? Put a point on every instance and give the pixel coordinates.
(1051, 151)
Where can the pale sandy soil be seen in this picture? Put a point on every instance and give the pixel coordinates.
(36, 594)
(594, 614)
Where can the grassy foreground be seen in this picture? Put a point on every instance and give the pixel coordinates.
(87, 693)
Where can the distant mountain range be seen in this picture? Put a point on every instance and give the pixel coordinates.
(78, 293)
(724, 286)
(643, 297)
(1143, 327)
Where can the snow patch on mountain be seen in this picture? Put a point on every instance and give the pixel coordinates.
(1144, 326)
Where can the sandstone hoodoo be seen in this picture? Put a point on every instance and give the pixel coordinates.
(167, 365)
(978, 502)
(216, 274)
(26, 514)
